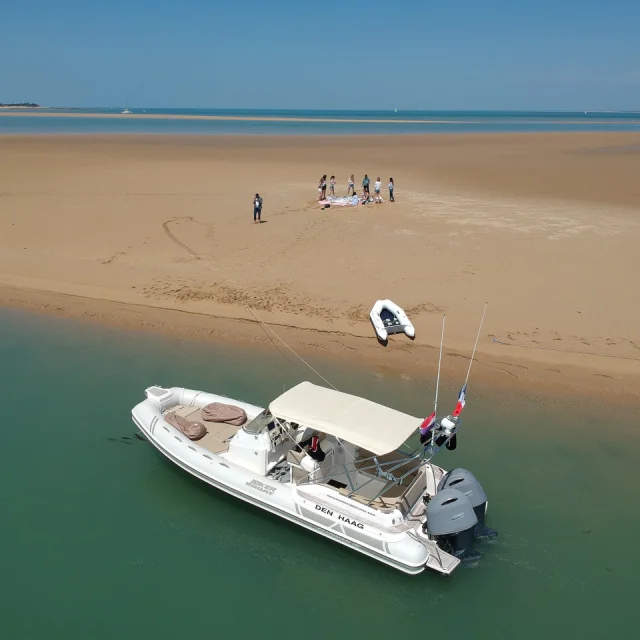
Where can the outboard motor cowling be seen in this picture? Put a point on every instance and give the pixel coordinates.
(465, 482)
(451, 521)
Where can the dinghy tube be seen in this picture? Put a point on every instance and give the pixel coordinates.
(388, 318)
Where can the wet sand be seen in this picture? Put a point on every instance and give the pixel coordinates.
(157, 232)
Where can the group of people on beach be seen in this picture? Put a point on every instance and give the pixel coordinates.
(351, 188)
(351, 191)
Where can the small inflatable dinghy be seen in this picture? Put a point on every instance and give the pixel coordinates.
(387, 318)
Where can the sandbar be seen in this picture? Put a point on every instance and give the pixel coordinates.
(570, 120)
(156, 232)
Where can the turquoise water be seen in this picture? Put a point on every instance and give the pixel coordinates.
(448, 122)
(103, 538)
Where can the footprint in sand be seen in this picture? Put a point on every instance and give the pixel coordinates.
(113, 257)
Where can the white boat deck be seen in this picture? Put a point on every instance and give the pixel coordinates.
(218, 433)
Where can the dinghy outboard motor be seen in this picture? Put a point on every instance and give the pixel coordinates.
(465, 482)
(451, 521)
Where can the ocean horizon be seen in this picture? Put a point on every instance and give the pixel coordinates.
(146, 120)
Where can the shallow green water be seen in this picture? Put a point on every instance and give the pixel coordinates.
(102, 538)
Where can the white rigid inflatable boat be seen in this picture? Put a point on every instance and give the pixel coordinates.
(396, 507)
(387, 318)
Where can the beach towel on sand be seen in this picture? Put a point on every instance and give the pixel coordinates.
(228, 413)
(193, 429)
(341, 201)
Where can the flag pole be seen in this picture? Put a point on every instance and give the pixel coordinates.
(475, 346)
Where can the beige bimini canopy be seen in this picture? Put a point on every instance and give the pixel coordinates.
(361, 422)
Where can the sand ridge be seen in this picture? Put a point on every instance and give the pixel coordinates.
(143, 115)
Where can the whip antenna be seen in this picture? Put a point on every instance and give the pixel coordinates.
(435, 403)
(475, 346)
(463, 392)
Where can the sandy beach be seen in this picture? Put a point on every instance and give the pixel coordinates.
(157, 232)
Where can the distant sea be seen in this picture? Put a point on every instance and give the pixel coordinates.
(327, 122)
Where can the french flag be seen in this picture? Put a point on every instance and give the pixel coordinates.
(461, 400)
(427, 423)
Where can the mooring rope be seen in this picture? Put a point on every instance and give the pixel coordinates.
(263, 324)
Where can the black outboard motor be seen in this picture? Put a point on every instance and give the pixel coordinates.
(451, 521)
(465, 482)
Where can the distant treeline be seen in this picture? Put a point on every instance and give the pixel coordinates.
(18, 104)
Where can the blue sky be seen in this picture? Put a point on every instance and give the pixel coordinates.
(464, 54)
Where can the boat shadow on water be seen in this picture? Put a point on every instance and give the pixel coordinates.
(129, 439)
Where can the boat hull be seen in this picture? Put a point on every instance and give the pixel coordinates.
(288, 516)
(395, 548)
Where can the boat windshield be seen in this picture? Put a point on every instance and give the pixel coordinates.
(260, 423)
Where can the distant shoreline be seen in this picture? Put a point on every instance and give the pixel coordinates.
(174, 116)
(21, 106)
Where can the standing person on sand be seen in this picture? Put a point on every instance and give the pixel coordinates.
(351, 191)
(376, 187)
(391, 188)
(324, 186)
(365, 184)
(332, 186)
(257, 209)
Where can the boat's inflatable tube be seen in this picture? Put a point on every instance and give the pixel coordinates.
(388, 318)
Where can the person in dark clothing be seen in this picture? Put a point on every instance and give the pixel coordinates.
(257, 208)
(312, 447)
